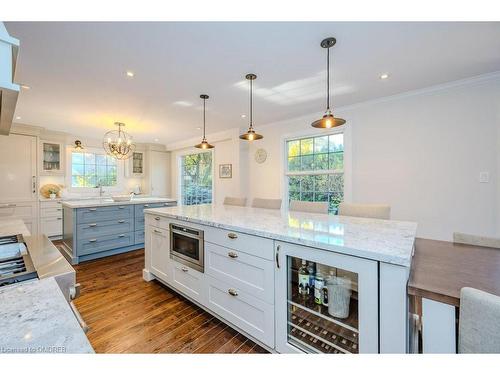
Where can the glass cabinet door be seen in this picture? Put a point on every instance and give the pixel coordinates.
(137, 163)
(51, 157)
(320, 302)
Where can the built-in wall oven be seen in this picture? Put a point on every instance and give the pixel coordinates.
(187, 246)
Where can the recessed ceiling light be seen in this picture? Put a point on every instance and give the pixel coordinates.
(25, 87)
(384, 76)
(157, 140)
(243, 116)
(18, 117)
(130, 73)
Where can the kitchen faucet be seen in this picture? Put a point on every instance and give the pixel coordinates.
(100, 189)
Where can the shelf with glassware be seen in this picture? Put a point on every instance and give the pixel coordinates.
(135, 165)
(51, 158)
(327, 302)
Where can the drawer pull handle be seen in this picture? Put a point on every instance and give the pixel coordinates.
(121, 221)
(93, 225)
(232, 292)
(93, 240)
(59, 209)
(232, 254)
(121, 236)
(92, 209)
(157, 218)
(157, 231)
(146, 205)
(184, 269)
(7, 205)
(232, 236)
(59, 218)
(121, 207)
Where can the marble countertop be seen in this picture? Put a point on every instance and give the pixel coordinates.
(35, 318)
(387, 241)
(109, 202)
(13, 226)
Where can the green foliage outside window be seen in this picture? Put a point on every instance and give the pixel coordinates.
(196, 174)
(91, 170)
(307, 159)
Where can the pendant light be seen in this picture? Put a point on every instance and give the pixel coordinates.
(118, 143)
(328, 121)
(251, 135)
(204, 144)
(78, 145)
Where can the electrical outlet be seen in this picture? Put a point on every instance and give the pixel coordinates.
(484, 177)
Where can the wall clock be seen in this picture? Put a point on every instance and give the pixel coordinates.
(260, 155)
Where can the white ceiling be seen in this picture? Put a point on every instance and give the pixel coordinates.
(78, 84)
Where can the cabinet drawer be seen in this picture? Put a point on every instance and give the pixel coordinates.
(95, 245)
(18, 209)
(51, 212)
(139, 208)
(104, 228)
(251, 314)
(187, 281)
(139, 223)
(157, 221)
(50, 204)
(139, 236)
(51, 226)
(94, 214)
(258, 246)
(246, 272)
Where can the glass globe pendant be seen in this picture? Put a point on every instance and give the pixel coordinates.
(204, 144)
(118, 144)
(328, 120)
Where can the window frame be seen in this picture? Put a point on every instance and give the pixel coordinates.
(180, 175)
(302, 135)
(119, 187)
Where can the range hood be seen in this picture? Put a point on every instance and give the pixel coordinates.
(9, 91)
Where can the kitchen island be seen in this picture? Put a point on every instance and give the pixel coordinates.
(248, 265)
(95, 228)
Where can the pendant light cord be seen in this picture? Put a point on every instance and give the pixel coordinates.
(204, 100)
(251, 103)
(328, 78)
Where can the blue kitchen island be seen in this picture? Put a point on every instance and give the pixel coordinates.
(96, 228)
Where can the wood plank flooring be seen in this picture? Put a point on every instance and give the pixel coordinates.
(128, 315)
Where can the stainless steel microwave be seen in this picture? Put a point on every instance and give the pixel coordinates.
(187, 246)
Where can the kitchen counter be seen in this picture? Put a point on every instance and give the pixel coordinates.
(15, 226)
(36, 318)
(440, 269)
(82, 203)
(387, 241)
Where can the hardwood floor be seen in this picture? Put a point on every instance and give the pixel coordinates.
(128, 315)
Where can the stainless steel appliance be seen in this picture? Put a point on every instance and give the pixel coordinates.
(187, 246)
(15, 262)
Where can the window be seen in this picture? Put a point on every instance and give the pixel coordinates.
(196, 178)
(315, 169)
(92, 169)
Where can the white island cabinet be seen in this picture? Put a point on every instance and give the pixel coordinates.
(251, 259)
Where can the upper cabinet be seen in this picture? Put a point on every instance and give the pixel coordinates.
(51, 158)
(135, 166)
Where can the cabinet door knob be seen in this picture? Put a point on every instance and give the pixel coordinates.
(232, 254)
(232, 236)
(232, 292)
(184, 269)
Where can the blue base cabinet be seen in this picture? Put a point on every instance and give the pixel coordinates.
(95, 232)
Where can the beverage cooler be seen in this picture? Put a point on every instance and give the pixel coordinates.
(325, 302)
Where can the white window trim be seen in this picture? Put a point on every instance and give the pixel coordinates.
(179, 172)
(120, 181)
(347, 171)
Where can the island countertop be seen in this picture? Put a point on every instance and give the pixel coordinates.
(387, 241)
(35, 318)
(81, 203)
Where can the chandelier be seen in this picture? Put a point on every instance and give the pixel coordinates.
(118, 144)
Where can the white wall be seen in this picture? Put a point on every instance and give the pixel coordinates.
(420, 152)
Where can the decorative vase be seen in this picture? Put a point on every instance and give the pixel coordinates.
(52, 196)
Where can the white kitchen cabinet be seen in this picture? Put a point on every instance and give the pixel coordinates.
(188, 281)
(158, 253)
(51, 158)
(51, 218)
(305, 326)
